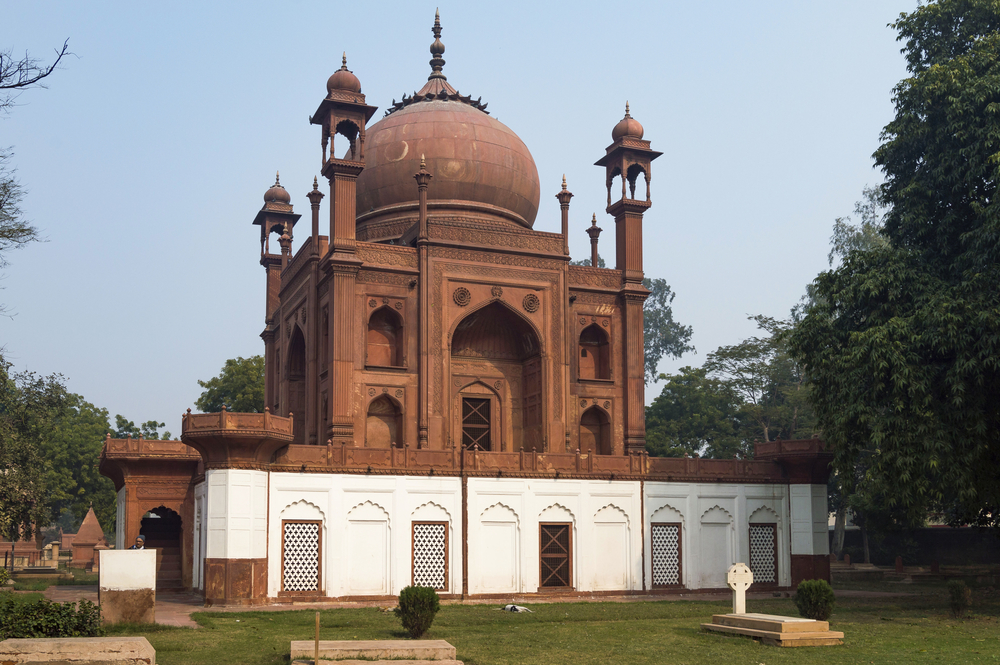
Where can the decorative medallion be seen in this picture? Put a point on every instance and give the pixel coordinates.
(498, 385)
(399, 304)
(371, 302)
(371, 392)
(461, 296)
(531, 303)
(583, 402)
(496, 291)
(607, 405)
(605, 323)
(385, 390)
(582, 321)
(385, 301)
(399, 394)
(458, 383)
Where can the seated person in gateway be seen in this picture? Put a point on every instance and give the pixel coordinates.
(140, 543)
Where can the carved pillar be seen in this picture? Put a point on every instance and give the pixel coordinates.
(594, 231)
(635, 385)
(312, 325)
(423, 178)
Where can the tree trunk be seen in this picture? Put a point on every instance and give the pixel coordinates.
(839, 527)
(864, 542)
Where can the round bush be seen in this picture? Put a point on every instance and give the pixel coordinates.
(815, 599)
(417, 607)
(960, 598)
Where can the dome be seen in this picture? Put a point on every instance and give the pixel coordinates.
(477, 162)
(277, 193)
(343, 79)
(627, 126)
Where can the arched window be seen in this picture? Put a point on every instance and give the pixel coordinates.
(383, 429)
(297, 384)
(385, 339)
(594, 361)
(595, 432)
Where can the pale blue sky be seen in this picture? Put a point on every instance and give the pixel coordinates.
(146, 159)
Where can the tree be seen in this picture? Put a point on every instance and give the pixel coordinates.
(16, 76)
(72, 452)
(28, 405)
(903, 342)
(694, 415)
(239, 387)
(148, 430)
(662, 336)
(770, 385)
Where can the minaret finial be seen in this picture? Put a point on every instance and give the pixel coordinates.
(315, 184)
(437, 50)
(593, 220)
(564, 181)
(626, 110)
(423, 163)
(343, 63)
(277, 178)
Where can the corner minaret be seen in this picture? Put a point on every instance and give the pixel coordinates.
(343, 112)
(276, 216)
(627, 157)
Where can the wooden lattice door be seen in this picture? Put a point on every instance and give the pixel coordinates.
(555, 548)
(476, 423)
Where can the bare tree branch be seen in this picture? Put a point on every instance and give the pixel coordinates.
(24, 73)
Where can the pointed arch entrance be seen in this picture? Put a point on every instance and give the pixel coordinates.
(496, 371)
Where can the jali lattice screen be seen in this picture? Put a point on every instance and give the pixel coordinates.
(300, 556)
(666, 540)
(430, 554)
(763, 563)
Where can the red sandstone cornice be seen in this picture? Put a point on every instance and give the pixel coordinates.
(804, 460)
(236, 440)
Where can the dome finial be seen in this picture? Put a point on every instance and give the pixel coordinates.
(277, 178)
(564, 182)
(343, 62)
(626, 110)
(437, 50)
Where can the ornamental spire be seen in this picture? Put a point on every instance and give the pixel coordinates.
(437, 50)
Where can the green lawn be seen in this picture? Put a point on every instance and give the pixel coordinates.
(914, 629)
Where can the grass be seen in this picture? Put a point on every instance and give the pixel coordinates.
(80, 577)
(916, 628)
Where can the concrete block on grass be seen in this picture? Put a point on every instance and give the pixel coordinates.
(78, 651)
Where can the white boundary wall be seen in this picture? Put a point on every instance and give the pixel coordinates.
(367, 527)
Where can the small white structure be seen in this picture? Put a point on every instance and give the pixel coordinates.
(127, 589)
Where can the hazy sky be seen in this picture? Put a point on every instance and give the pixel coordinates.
(146, 158)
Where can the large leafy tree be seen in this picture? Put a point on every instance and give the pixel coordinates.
(903, 341)
(694, 415)
(238, 387)
(29, 405)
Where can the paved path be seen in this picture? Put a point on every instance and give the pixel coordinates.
(174, 608)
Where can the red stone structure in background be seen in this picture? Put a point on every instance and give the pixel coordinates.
(431, 334)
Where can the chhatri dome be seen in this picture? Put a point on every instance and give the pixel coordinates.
(479, 165)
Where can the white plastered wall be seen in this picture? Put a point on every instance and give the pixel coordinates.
(504, 518)
(236, 514)
(810, 517)
(367, 532)
(715, 521)
(200, 533)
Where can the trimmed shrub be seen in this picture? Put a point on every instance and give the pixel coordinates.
(417, 607)
(960, 598)
(4, 576)
(44, 618)
(815, 599)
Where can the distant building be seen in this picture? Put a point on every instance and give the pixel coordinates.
(449, 402)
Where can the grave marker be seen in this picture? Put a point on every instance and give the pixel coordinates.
(739, 578)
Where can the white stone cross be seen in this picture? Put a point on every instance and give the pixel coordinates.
(739, 578)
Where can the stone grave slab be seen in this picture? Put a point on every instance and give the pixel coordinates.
(78, 651)
(369, 650)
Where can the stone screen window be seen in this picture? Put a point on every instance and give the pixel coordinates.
(666, 545)
(300, 555)
(764, 553)
(430, 555)
(476, 423)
